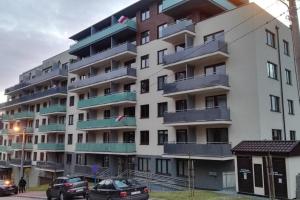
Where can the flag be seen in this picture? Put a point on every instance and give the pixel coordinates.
(120, 118)
(122, 19)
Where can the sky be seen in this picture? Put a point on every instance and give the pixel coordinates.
(34, 30)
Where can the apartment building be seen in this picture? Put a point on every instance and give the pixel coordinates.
(163, 85)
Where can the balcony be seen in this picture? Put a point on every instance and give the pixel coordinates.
(211, 51)
(197, 84)
(175, 33)
(50, 166)
(59, 91)
(5, 131)
(38, 79)
(108, 100)
(7, 118)
(17, 162)
(108, 148)
(51, 146)
(104, 124)
(52, 128)
(4, 164)
(126, 50)
(23, 115)
(18, 146)
(209, 116)
(4, 148)
(121, 74)
(104, 33)
(29, 130)
(54, 110)
(199, 151)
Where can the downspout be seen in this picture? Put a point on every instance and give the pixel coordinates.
(281, 84)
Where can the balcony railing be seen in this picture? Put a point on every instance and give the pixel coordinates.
(126, 47)
(29, 130)
(104, 77)
(53, 166)
(106, 123)
(198, 82)
(203, 150)
(37, 95)
(37, 79)
(197, 51)
(18, 146)
(4, 148)
(24, 115)
(168, 4)
(51, 146)
(184, 25)
(102, 34)
(108, 99)
(4, 164)
(106, 147)
(52, 128)
(5, 131)
(53, 109)
(198, 116)
(6, 117)
(17, 161)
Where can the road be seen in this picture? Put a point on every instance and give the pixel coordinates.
(30, 196)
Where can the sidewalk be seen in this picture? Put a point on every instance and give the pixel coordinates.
(33, 195)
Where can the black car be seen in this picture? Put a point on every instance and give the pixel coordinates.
(67, 187)
(118, 189)
(7, 187)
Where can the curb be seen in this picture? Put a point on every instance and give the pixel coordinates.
(32, 197)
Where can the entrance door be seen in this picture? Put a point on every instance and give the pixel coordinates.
(280, 183)
(245, 175)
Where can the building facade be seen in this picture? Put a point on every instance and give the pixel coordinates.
(158, 85)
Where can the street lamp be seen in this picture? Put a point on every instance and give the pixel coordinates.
(18, 129)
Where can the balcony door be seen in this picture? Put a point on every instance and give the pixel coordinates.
(181, 136)
(180, 75)
(217, 135)
(181, 105)
(216, 101)
(128, 137)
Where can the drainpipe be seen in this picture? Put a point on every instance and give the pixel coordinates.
(281, 84)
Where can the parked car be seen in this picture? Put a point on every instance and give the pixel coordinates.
(118, 189)
(7, 187)
(67, 187)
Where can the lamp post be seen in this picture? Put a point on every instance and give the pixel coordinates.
(17, 129)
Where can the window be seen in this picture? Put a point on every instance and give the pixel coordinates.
(160, 29)
(181, 136)
(162, 166)
(288, 77)
(180, 47)
(69, 159)
(217, 135)
(272, 70)
(79, 138)
(38, 107)
(78, 159)
(36, 139)
(144, 111)
(72, 80)
(181, 105)
(276, 134)
(258, 175)
(70, 138)
(161, 81)
(143, 164)
(34, 156)
(129, 137)
(71, 103)
(71, 119)
(215, 69)
(286, 48)
(162, 137)
(145, 37)
(107, 69)
(292, 135)
(144, 138)
(159, 7)
(274, 103)
(80, 117)
(37, 123)
(106, 91)
(160, 55)
(162, 108)
(291, 106)
(270, 38)
(214, 36)
(106, 114)
(129, 111)
(43, 139)
(144, 61)
(145, 15)
(42, 156)
(105, 137)
(144, 86)
(216, 101)
(182, 168)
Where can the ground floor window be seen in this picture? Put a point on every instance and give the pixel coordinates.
(143, 164)
(182, 167)
(162, 166)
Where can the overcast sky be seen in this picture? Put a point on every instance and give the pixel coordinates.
(34, 30)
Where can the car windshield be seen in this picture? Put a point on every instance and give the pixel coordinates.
(120, 184)
(74, 180)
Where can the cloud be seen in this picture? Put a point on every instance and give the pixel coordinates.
(34, 30)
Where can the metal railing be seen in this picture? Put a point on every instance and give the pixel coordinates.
(106, 123)
(17, 161)
(177, 27)
(49, 165)
(106, 147)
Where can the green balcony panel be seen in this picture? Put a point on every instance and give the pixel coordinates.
(102, 34)
(51, 146)
(53, 109)
(4, 131)
(168, 4)
(106, 123)
(52, 128)
(108, 99)
(4, 148)
(24, 115)
(29, 130)
(6, 117)
(106, 147)
(19, 146)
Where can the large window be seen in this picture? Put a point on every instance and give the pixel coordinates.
(162, 166)
(71, 119)
(160, 29)
(181, 136)
(216, 101)
(215, 69)
(145, 111)
(217, 135)
(145, 37)
(160, 55)
(276, 134)
(69, 159)
(144, 138)
(293, 135)
(144, 86)
(145, 14)
(70, 139)
(143, 164)
(162, 137)
(214, 36)
(161, 81)
(79, 138)
(272, 70)
(270, 38)
(291, 107)
(274, 103)
(288, 77)
(182, 168)
(286, 48)
(71, 103)
(145, 61)
(162, 108)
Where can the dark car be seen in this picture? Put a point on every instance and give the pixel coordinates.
(67, 187)
(118, 189)
(7, 187)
